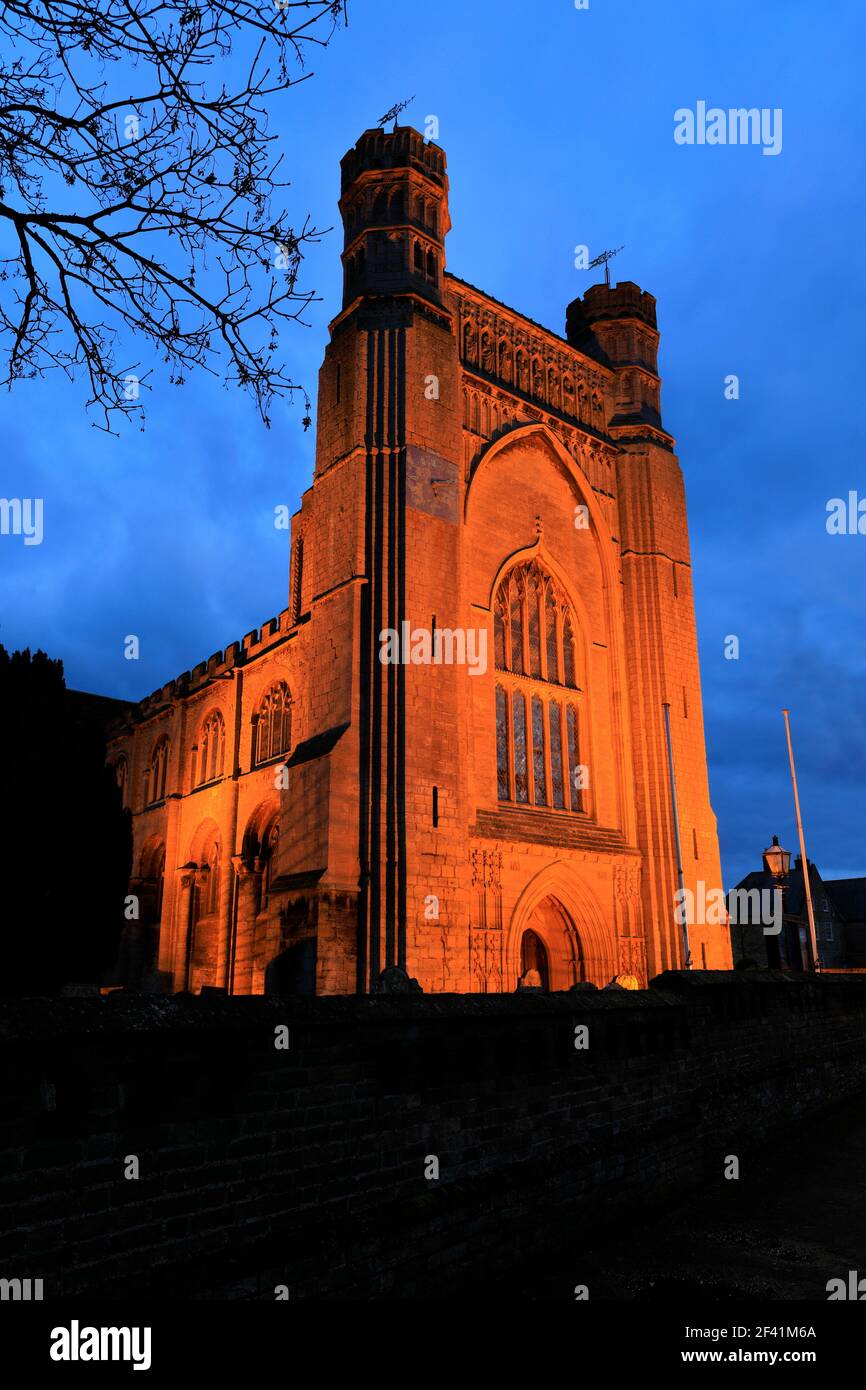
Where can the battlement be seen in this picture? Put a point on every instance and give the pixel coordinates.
(403, 148)
(602, 303)
(218, 665)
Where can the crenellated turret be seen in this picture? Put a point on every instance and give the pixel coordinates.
(617, 326)
(394, 205)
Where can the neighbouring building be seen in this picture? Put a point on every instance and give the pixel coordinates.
(774, 896)
(447, 753)
(848, 896)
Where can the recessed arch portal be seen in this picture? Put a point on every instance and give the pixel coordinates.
(550, 953)
(559, 913)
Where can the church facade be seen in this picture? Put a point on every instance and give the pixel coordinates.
(447, 754)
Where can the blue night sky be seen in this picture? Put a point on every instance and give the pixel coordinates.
(558, 127)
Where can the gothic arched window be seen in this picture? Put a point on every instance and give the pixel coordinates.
(211, 748)
(157, 772)
(269, 855)
(274, 724)
(120, 769)
(207, 894)
(537, 695)
(380, 205)
(152, 871)
(157, 871)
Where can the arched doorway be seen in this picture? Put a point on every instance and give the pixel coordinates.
(561, 908)
(534, 965)
(550, 954)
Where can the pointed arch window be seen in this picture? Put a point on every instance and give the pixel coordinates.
(503, 760)
(521, 780)
(568, 664)
(273, 724)
(552, 635)
(211, 748)
(157, 772)
(157, 873)
(152, 872)
(270, 843)
(538, 699)
(533, 627)
(207, 892)
(121, 773)
(539, 772)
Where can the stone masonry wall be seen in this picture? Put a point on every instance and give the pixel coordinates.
(306, 1166)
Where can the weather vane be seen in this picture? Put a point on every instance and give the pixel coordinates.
(394, 112)
(604, 259)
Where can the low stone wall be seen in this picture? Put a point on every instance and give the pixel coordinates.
(308, 1166)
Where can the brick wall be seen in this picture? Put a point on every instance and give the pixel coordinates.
(306, 1167)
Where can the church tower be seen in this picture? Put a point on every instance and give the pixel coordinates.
(617, 326)
(379, 537)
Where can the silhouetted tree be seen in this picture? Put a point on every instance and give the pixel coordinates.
(138, 197)
(66, 849)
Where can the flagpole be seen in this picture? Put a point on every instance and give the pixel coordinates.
(813, 941)
(688, 954)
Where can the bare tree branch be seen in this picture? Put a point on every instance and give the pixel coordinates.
(155, 215)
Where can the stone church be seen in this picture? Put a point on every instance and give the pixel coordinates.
(447, 754)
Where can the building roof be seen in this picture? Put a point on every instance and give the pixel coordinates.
(792, 886)
(758, 878)
(848, 896)
(101, 709)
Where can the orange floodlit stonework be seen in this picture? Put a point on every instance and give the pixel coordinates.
(448, 753)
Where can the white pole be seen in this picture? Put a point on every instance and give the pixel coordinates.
(813, 941)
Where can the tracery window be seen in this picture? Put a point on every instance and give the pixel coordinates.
(155, 790)
(537, 724)
(212, 748)
(274, 724)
